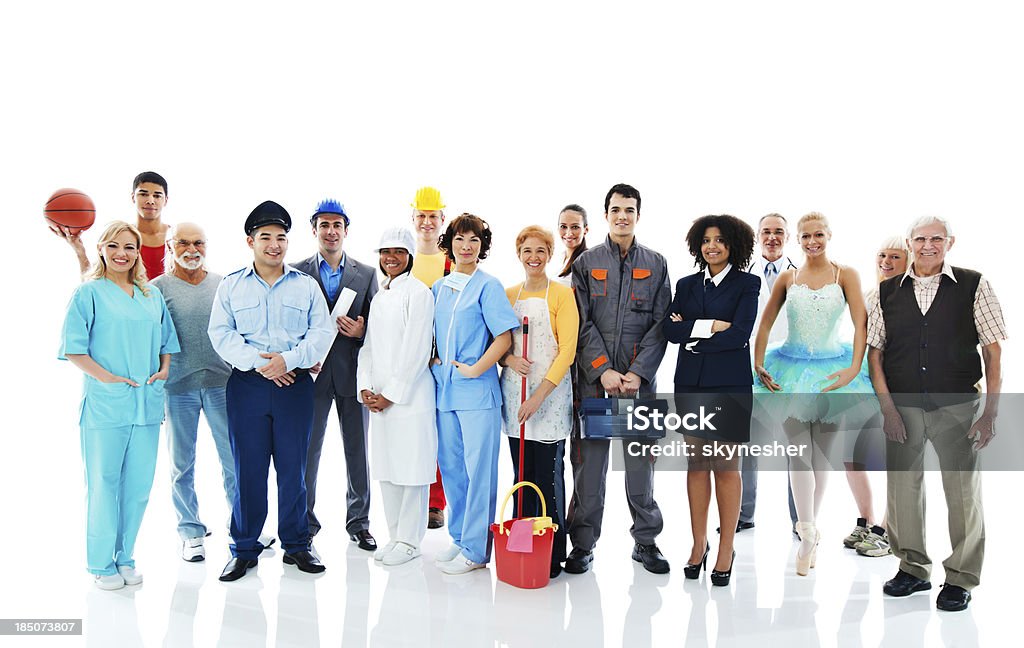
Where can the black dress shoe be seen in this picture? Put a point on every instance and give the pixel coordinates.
(952, 598)
(721, 578)
(365, 540)
(740, 526)
(435, 518)
(236, 568)
(651, 557)
(692, 571)
(904, 584)
(305, 561)
(578, 561)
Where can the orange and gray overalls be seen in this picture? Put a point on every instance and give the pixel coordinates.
(622, 302)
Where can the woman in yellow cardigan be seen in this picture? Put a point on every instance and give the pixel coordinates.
(547, 411)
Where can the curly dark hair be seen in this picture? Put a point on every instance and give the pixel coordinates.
(739, 239)
(466, 223)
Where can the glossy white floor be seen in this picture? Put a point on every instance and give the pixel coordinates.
(356, 603)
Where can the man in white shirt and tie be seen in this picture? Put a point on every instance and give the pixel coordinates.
(772, 234)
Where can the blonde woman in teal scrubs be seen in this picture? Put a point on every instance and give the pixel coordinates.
(119, 333)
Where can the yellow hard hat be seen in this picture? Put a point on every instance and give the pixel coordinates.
(427, 199)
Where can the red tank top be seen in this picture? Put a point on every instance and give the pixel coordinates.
(153, 260)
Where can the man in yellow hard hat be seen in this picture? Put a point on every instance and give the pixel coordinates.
(431, 265)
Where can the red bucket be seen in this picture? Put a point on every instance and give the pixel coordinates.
(531, 569)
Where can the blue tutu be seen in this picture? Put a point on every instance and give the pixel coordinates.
(811, 353)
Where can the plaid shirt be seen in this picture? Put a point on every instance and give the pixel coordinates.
(988, 315)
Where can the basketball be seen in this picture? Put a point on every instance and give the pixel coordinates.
(70, 208)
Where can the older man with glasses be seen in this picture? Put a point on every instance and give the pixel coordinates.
(195, 383)
(924, 330)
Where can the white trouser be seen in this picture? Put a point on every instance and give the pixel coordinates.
(405, 508)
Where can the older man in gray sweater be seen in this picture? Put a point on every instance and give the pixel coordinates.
(196, 381)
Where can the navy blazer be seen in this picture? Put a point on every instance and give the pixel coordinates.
(723, 359)
(340, 364)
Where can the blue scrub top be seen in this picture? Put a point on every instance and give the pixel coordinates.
(126, 336)
(464, 334)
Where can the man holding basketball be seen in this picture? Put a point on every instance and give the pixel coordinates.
(268, 321)
(149, 193)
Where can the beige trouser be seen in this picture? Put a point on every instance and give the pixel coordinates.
(947, 429)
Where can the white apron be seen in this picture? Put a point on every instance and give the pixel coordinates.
(553, 419)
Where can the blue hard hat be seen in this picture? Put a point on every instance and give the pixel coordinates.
(329, 206)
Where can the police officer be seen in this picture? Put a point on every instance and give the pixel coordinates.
(623, 294)
(270, 323)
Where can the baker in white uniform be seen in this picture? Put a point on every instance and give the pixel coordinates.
(393, 380)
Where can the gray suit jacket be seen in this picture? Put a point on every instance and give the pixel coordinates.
(338, 374)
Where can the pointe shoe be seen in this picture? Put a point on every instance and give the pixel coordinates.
(692, 572)
(808, 535)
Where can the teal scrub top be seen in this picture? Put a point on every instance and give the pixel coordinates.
(464, 326)
(126, 336)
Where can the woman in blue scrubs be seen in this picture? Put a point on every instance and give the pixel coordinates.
(472, 328)
(119, 333)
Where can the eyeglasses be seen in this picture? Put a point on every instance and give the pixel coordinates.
(183, 243)
(934, 240)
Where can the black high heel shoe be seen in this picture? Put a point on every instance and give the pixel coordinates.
(693, 571)
(721, 578)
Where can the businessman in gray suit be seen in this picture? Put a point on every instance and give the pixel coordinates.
(335, 271)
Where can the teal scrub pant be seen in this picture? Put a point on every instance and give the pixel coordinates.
(467, 453)
(119, 467)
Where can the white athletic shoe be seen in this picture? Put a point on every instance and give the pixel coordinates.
(130, 575)
(109, 582)
(383, 551)
(460, 565)
(402, 553)
(448, 555)
(192, 550)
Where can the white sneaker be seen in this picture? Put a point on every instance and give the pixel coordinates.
(383, 551)
(267, 540)
(130, 575)
(448, 555)
(109, 582)
(402, 553)
(192, 550)
(459, 565)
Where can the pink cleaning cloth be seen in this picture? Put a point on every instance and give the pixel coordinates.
(520, 536)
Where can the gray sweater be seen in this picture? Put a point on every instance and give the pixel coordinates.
(197, 366)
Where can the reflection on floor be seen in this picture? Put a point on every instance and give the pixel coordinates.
(356, 603)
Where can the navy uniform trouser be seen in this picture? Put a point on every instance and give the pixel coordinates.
(266, 421)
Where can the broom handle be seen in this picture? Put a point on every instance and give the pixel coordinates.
(522, 426)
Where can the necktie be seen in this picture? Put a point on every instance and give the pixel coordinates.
(771, 273)
(709, 285)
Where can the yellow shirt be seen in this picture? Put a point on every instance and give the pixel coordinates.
(428, 268)
(565, 320)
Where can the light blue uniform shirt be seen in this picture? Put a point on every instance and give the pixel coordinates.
(250, 317)
(126, 336)
(463, 333)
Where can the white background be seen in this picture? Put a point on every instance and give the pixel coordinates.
(873, 114)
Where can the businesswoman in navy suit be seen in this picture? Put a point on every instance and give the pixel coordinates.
(711, 318)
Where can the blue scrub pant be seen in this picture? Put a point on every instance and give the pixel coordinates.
(182, 425)
(266, 421)
(119, 467)
(467, 453)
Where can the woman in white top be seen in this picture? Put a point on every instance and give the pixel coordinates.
(547, 411)
(866, 445)
(393, 380)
